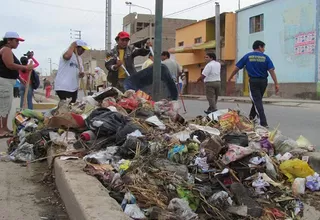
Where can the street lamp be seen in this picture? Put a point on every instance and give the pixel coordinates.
(150, 24)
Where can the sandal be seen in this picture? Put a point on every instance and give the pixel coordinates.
(6, 135)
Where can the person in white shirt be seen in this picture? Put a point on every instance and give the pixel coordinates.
(69, 71)
(211, 77)
(100, 78)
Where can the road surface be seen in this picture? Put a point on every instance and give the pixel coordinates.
(294, 121)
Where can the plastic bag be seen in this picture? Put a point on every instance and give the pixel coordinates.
(313, 182)
(168, 108)
(134, 211)
(267, 146)
(228, 121)
(178, 153)
(299, 186)
(235, 153)
(305, 143)
(129, 104)
(201, 162)
(102, 157)
(154, 120)
(32, 114)
(181, 208)
(220, 199)
(271, 170)
(283, 144)
(23, 153)
(143, 95)
(187, 195)
(238, 139)
(296, 168)
(260, 185)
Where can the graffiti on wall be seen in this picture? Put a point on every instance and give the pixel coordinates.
(305, 43)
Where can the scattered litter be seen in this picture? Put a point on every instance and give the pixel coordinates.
(313, 182)
(157, 165)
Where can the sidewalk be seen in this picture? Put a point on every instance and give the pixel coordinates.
(248, 100)
(270, 100)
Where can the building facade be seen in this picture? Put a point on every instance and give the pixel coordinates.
(290, 30)
(192, 43)
(138, 26)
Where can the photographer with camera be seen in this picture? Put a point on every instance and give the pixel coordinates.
(24, 76)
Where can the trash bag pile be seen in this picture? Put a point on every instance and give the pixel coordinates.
(157, 165)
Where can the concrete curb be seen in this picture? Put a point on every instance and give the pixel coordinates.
(84, 197)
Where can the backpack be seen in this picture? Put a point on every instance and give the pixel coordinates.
(35, 80)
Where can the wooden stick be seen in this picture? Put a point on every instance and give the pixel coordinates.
(81, 80)
(26, 89)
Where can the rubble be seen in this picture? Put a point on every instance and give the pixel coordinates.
(159, 166)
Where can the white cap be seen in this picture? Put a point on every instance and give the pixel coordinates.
(82, 44)
(97, 69)
(14, 35)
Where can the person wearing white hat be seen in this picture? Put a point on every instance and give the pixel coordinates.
(69, 71)
(100, 78)
(9, 73)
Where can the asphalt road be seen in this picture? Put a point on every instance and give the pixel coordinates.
(294, 121)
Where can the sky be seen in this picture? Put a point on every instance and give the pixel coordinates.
(46, 24)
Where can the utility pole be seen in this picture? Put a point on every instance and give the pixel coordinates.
(156, 83)
(218, 43)
(50, 62)
(108, 25)
(75, 34)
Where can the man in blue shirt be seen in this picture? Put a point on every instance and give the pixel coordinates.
(257, 65)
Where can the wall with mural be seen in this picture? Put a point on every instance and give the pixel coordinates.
(289, 31)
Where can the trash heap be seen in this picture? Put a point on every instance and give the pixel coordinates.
(157, 165)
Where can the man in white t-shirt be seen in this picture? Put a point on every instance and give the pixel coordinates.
(69, 71)
(211, 77)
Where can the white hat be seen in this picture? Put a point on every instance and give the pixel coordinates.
(14, 35)
(97, 69)
(82, 44)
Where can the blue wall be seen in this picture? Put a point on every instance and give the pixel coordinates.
(283, 21)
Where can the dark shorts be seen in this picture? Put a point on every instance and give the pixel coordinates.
(63, 95)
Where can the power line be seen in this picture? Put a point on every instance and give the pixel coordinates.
(65, 7)
(188, 9)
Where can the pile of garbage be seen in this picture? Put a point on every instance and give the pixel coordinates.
(157, 165)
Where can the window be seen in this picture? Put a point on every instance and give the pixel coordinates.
(198, 40)
(256, 24)
(139, 26)
(127, 28)
(180, 44)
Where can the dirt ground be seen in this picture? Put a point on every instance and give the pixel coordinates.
(28, 192)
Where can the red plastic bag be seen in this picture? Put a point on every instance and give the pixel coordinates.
(129, 104)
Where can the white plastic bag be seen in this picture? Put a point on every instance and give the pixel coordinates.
(299, 186)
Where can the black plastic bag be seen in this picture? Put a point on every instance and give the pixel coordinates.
(128, 149)
(106, 123)
(240, 139)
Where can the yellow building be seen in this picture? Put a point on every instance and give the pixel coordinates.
(192, 43)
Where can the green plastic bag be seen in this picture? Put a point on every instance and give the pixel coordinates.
(188, 196)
